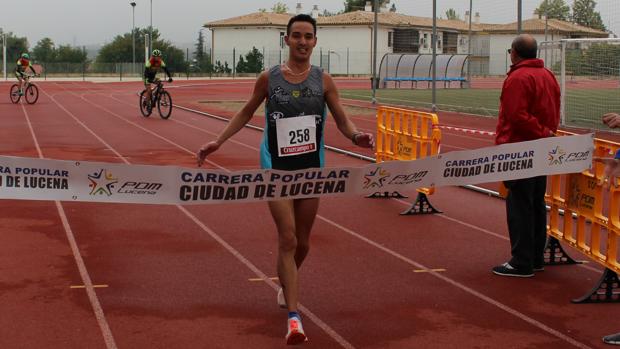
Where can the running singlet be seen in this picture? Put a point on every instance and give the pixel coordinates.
(295, 119)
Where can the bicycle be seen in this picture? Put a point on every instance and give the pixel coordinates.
(31, 91)
(159, 96)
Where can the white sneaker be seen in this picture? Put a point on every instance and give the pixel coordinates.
(295, 334)
(281, 299)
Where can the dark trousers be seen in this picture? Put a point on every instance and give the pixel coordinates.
(527, 221)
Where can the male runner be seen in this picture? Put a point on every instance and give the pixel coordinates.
(295, 95)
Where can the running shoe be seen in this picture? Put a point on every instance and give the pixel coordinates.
(613, 339)
(295, 334)
(281, 299)
(508, 270)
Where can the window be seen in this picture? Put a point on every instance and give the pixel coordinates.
(390, 39)
(282, 42)
(425, 40)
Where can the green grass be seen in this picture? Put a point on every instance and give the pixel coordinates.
(584, 108)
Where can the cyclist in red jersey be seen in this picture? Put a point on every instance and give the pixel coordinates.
(23, 63)
(151, 68)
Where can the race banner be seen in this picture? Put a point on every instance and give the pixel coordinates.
(45, 179)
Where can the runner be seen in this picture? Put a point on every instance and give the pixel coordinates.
(295, 95)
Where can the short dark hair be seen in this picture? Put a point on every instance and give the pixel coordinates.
(525, 46)
(300, 18)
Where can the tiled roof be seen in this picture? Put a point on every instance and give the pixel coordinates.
(533, 25)
(537, 25)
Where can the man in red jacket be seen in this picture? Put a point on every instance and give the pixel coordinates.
(529, 109)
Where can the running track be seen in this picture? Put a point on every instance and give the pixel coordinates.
(183, 277)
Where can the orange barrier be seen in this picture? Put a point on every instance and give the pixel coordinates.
(404, 134)
(583, 196)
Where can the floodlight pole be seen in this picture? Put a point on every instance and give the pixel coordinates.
(4, 54)
(374, 54)
(151, 28)
(469, 44)
(434, 43)
(133, 36)
(519, 16)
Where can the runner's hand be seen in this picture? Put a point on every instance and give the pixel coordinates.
(206, 150)
(365, 140)
(611, 173)
(611, 119)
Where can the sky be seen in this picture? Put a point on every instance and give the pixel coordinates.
(90, 22)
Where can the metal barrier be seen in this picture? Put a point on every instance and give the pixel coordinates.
(577, 217)
(404, 134)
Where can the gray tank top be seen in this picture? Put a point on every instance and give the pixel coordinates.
(294, 148)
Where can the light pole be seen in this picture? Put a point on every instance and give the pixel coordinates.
(374, 52)
(151, 30)
(519, 16)
(3, 53)
(133, 36)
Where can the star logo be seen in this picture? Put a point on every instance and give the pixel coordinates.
(296, 93)
(556, 156)
(102, 182)
(376, 178)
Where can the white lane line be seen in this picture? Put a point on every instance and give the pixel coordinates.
(455, 283)
(309, 314)
(90, 290)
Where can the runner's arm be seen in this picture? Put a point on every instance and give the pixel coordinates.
(346, 127)
(239, 120)
(32, 69)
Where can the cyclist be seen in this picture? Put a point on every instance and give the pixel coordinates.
(23, 63)
(151, 68)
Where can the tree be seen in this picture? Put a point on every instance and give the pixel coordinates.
(119, 50)
(15, 46)
(451, 14)
(222, 69)
(279, 7)
(557, 9)
(202, 59)
(44, 51)
(359, 5)
(584, 14)
(68, 54)
(253, 62)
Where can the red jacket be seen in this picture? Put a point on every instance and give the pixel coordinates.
(529, 105)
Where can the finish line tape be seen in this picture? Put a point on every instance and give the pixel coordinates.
(43, 179)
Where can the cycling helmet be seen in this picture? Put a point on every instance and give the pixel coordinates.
(25, 56)
(157, 53)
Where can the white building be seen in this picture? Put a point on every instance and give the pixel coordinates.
(345, 41)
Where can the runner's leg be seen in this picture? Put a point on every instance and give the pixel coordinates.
(283, 215)
(305, 213)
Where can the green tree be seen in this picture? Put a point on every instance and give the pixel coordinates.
(557, 9)
(119, 50)
(279, 7)
(358, 5)
(253, 62)
(44, 51)
(15, 46)
(584, 14)
(451, 14)
(221, 69)
(203, 60)
(68, 54)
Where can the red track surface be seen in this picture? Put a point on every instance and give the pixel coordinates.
(178, 277)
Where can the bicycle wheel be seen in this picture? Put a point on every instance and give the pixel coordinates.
(14, 94)
(32, 94)
(145, 108)
(164, 104)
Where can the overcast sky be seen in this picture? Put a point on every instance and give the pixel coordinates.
(87, 22)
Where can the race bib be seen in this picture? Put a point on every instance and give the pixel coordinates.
(296, 135)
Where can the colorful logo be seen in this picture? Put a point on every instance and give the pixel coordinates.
(102, 182)
(556, 156)
(376, 178)
(296, 93)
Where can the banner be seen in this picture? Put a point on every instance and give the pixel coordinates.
(44, 179)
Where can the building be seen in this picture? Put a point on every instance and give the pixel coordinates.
(345, 41)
